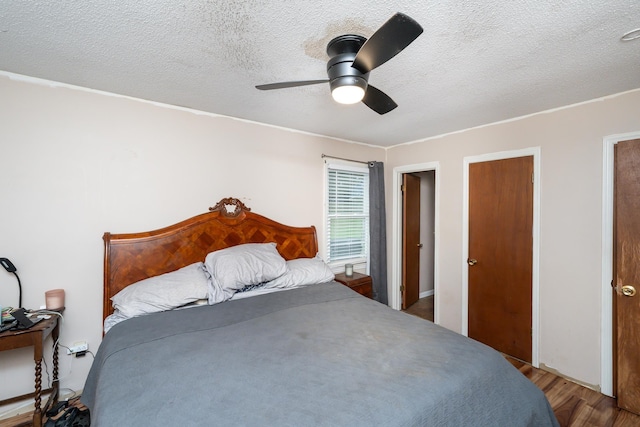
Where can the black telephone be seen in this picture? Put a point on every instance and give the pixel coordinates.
(8, 265)
(23, 321)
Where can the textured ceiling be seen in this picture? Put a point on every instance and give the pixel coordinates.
(477, 61)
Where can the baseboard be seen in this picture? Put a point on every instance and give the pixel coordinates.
(426, 294)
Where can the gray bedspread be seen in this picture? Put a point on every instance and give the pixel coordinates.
(315, 356)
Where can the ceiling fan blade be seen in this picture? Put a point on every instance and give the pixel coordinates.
(378, 101)
(283, 85)
(390, 39)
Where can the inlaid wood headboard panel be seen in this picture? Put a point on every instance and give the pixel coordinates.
(131, 257)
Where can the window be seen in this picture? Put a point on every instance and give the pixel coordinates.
(347, 213)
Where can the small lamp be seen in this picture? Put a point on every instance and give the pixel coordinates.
(8, 265)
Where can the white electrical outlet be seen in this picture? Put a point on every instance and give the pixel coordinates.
(77, 347)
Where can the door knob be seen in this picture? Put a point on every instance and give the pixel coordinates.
(628, 291)
(472, 261)
(419, 245)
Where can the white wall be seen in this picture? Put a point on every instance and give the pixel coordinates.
(76, 163)
(571, 141)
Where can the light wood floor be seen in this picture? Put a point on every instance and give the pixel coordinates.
(423, 308)
(23, 420)
(573, 404)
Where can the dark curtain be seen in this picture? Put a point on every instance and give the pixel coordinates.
(377, 232)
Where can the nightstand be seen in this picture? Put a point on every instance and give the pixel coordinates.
(35, 336)
(361, 283)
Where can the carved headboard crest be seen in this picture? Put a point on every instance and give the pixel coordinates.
(230, 207)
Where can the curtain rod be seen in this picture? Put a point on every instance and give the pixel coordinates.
(348, 160)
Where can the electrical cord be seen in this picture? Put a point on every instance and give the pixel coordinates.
(64, 346)
(68, 371)
(55, 344)
(50, 312)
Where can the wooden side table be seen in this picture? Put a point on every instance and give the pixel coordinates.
(35, 336)
(361, 283)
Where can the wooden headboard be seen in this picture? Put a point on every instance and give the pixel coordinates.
(129, 258)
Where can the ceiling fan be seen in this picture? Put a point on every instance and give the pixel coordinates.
(352, 57)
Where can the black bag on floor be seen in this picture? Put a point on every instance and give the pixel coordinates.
(70, 417)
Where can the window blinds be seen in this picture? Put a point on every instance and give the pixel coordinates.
(347, 214)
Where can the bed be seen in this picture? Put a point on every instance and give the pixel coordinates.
(317, 355)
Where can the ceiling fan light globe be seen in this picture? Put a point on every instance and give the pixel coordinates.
(347, 94)
(347, 89)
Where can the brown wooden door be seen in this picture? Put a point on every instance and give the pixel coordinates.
(627, 273)
(501, 254)
(410, 239)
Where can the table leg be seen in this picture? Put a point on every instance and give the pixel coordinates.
(55, 385)
(37, 414)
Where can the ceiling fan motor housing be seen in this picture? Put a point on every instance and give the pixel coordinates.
(341, 73)
(343, 50)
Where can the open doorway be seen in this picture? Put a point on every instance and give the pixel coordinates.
(418, 225)
(423, 242)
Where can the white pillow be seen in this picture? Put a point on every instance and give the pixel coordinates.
(113, 319)
(164, 292)
(301, 272)
(243, 265)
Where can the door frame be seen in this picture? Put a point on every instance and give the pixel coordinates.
(535, 277)
(395, 298)
(606, 329)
